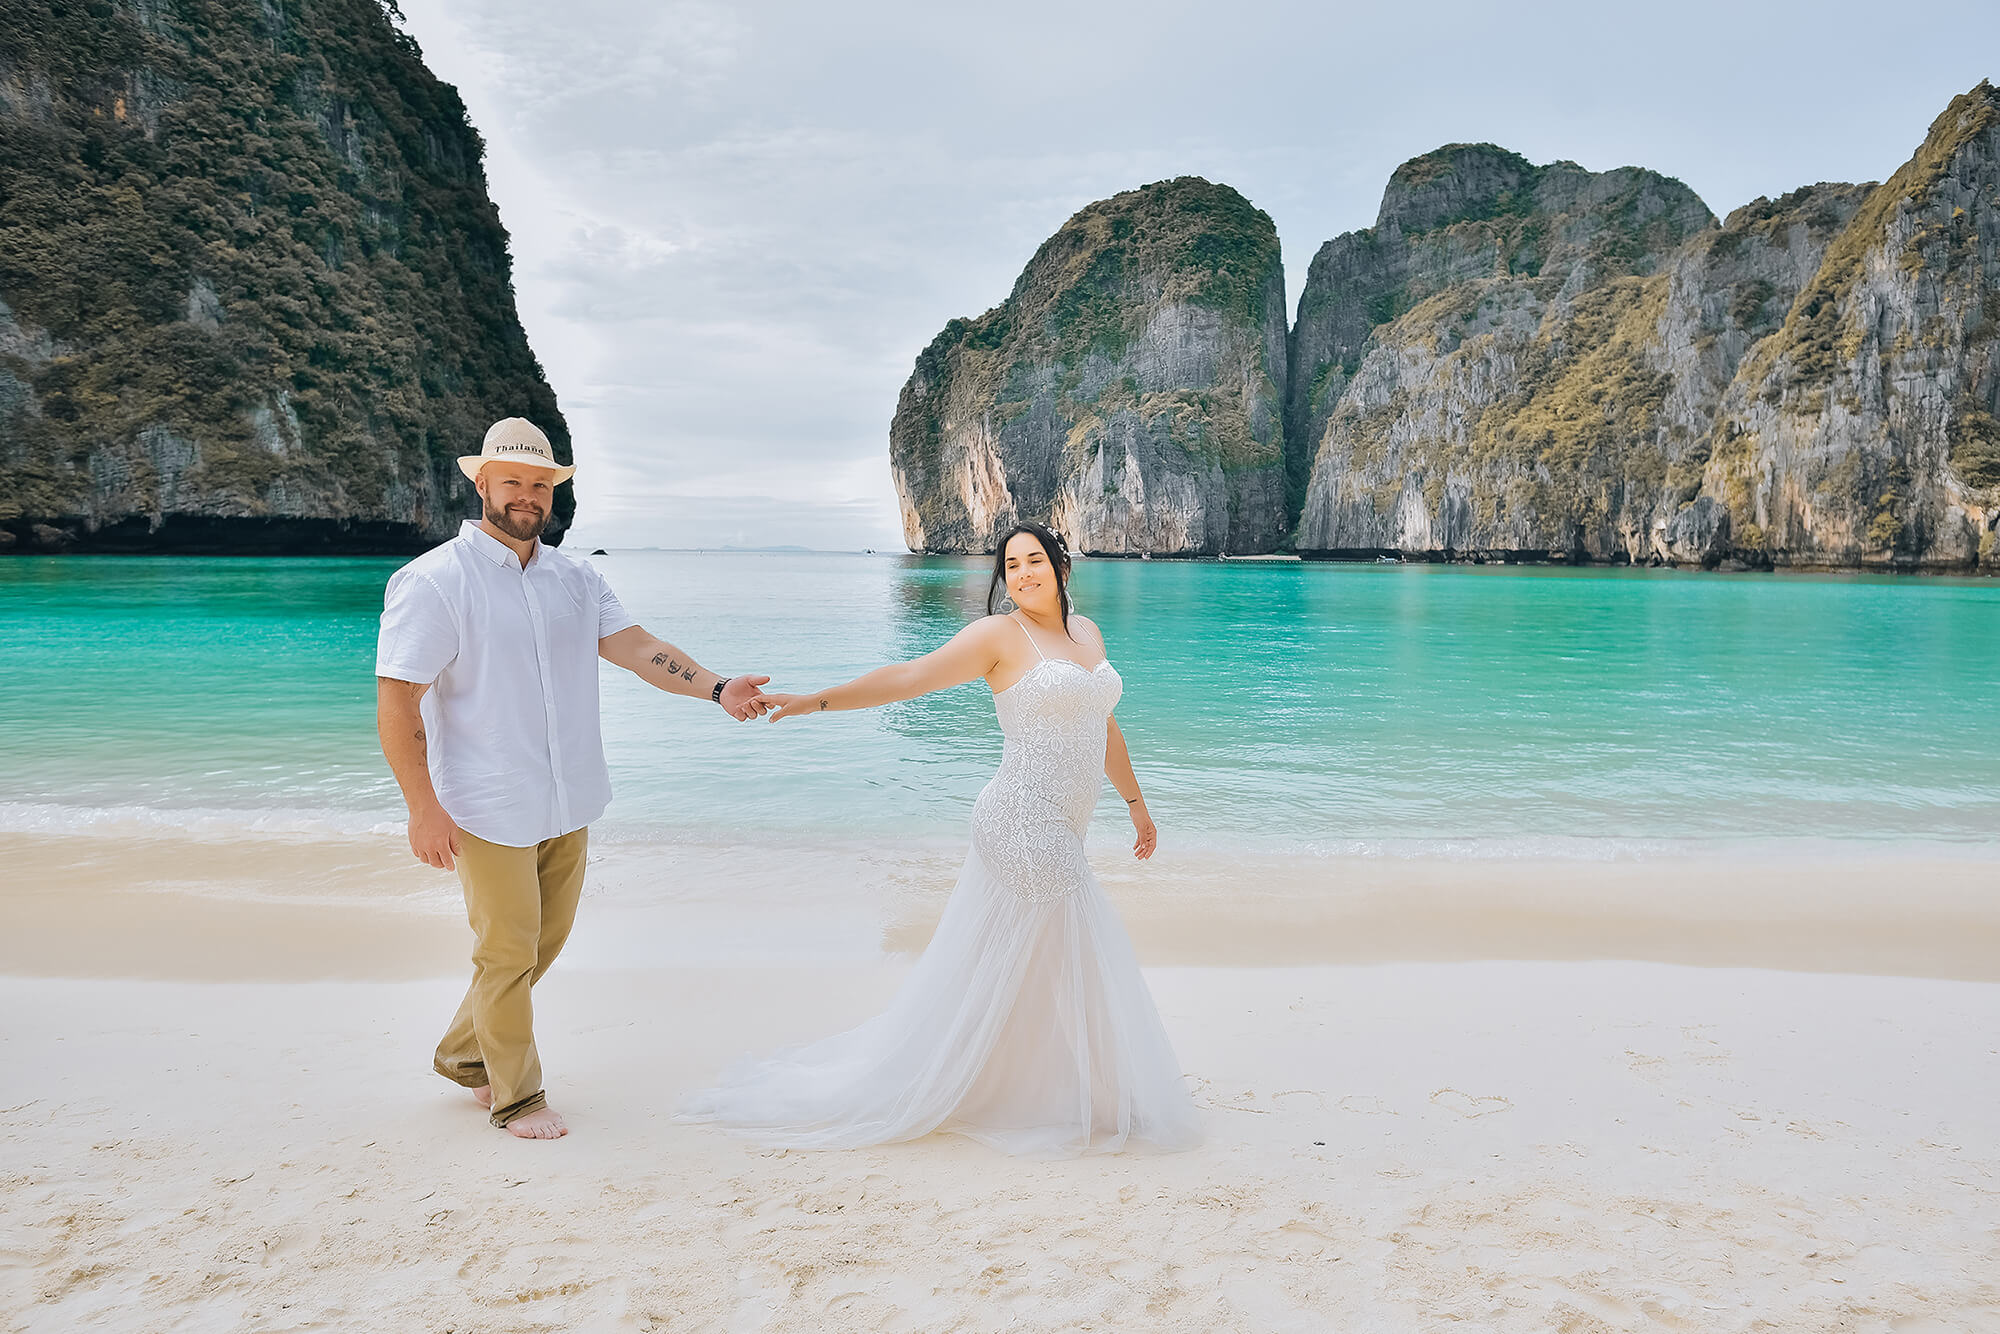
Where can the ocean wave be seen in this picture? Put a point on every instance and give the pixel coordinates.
(55, 819)
(1580, 848)
(623, 839)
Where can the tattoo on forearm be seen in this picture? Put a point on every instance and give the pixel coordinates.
(822, 703)
(674, 666)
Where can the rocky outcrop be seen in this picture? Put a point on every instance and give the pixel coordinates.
(1471, 214)
(1863, 431)
(1502, 286)
(1811, 383)
(1130, 389)
(253, 295)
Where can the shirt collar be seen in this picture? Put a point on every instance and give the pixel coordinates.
(492, 548)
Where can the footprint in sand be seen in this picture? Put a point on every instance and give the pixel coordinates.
(1468, 1106)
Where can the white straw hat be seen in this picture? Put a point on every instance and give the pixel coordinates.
(515, 440)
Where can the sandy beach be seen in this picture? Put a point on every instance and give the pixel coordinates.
(219, 1114)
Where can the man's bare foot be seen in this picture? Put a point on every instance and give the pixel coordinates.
(542, 1123)
(483, 1095)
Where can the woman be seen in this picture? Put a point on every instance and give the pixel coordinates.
(1026, 1023)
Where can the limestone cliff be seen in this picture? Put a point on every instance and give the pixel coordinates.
(253, 295)
(1130, 389)
(1811, 383)
(1471, 214)
(1863, 431)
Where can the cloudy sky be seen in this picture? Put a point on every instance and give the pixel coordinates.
(735, 225)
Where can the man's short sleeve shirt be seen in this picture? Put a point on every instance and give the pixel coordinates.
(510, 654)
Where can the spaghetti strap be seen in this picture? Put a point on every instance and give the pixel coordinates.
(1031, 641)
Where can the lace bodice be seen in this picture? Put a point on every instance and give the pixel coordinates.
(1053, 719)
(1030, 819)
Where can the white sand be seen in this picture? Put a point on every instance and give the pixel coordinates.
(1501, 1145)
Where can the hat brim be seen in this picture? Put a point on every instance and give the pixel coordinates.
(470, 464)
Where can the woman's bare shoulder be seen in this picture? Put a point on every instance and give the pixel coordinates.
(988, 629)
(1078, 618)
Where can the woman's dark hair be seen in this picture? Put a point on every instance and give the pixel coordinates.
(1052, 547)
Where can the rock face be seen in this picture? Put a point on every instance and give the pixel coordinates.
(253, 295)
(1863, 431)
(1540, 362)
(1130, 390)
(1471, 218)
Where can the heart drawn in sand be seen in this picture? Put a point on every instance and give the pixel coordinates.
(1468, 1106)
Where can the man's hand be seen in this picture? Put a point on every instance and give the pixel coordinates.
(744, 698)
(434, 838)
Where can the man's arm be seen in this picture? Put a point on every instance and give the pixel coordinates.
(665, 667)
(400, 724)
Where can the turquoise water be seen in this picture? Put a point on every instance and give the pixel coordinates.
(1329, 707)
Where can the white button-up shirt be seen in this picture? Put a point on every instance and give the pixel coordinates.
(510, 654)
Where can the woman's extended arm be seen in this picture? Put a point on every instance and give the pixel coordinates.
(971, 654)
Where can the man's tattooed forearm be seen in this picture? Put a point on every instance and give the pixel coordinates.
(674, 666)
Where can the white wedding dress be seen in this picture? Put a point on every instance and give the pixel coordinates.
(1026, 1024)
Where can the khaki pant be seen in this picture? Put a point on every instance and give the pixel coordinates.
(521, 902)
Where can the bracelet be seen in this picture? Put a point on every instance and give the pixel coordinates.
(720, 682)
(1131, 800)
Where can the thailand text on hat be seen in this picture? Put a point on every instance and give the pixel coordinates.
(515, 440)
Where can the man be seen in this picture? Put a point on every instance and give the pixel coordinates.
(486, 702)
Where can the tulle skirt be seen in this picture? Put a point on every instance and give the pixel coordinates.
(1025, 1025)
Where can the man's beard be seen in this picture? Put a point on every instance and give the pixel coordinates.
(520, 526)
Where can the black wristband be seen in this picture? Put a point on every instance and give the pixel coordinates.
(720, 682)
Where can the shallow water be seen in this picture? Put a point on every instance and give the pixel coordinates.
(1334, 708)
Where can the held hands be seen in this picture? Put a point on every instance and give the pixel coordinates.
(434, 838)
(1142, 824)
(743, 698)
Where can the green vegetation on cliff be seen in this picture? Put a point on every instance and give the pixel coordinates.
(261, 233)
(1199, 242)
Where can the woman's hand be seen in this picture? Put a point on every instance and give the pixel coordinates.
(1142, 824)
(793, 706)
(743, 697)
